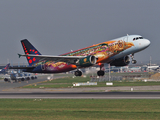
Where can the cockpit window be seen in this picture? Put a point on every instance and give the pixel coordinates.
(140, 37)
(137, 38)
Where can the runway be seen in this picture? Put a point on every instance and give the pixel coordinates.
(13, 91)
(83, 95)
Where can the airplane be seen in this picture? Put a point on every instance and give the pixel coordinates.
(151, 67)
(18, 77)
(115, 52)
(5, 69)
(14, 76)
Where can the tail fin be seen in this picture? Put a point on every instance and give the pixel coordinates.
(30, 49)
(6, 67)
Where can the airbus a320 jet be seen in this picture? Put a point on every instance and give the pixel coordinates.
(5, 69)
(114, 52)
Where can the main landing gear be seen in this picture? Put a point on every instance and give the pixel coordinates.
(101, 71)
(132, 57)
(78, 73)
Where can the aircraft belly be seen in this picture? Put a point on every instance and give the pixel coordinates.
(124, 53)
(54, 68)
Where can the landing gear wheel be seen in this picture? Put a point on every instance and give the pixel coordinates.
(134, 61)
(132, 57)
(78, 73)
(100, 73)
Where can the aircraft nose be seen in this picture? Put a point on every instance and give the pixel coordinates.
(146, 43)
(143, 44)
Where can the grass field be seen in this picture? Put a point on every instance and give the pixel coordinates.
(68, 82)
(79, 109)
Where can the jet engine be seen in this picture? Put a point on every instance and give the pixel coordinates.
(120, 62)
(87, 61)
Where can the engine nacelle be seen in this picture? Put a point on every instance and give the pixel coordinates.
(120, 62)
(87, 61)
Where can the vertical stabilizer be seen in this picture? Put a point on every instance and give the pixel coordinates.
(30, 49)
(6, 67)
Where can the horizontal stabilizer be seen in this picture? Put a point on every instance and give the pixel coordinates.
(16, 67)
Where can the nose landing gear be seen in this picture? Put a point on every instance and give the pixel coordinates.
(132, 57)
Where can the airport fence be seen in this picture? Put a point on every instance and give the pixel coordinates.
(116, 77)
(106, 78)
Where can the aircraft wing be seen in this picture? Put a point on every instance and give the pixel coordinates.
(68, 59)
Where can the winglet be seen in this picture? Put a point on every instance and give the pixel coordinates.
(19, 55)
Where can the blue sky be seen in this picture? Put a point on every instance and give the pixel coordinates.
(58, 26)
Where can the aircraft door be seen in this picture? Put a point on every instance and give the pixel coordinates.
(127, 40)
(135, 42)
(43, 65)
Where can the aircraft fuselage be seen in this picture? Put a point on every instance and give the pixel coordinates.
(104, 52)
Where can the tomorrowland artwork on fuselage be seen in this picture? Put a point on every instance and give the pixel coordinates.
(115, 52)
(103, 51)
